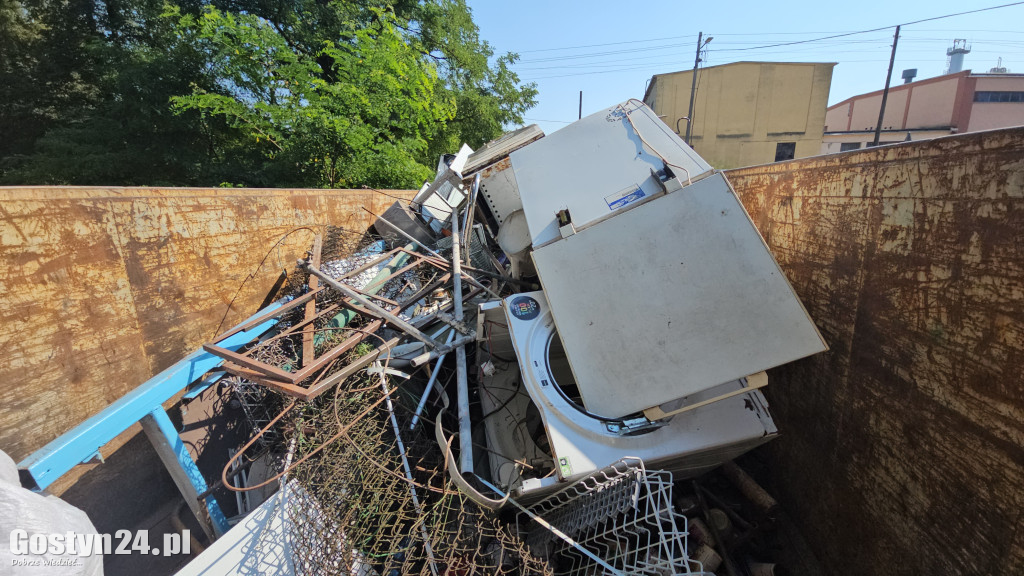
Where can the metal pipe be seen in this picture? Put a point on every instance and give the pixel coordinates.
(467, 229)
(730, 568)
(391, 318)
(462, 379)
(408, 473)
(430, 385)
(397, 262)
(476, 283)
(438, 352)
(509, 279)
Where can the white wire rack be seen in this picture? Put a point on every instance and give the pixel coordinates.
(624, 515)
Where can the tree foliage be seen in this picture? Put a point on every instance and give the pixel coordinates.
(253, 92)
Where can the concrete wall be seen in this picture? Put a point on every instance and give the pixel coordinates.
(833, 143)
(989, 115)
(100, 288)
(902, 448)
(743, 110)
(923, 104)
(944, 104)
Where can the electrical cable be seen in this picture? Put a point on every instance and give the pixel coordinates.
(874, 29)
(605, 44)
(648, 144)
(625, 68)
(511, 397)
(256, 271)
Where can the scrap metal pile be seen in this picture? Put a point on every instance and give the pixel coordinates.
(512, 372)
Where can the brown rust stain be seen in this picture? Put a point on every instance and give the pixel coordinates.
(492, 169)
(102, 288)
(910, 260)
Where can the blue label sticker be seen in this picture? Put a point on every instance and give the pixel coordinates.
(627, 196)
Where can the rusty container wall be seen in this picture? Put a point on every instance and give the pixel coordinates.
(903, 446)
(101, 288)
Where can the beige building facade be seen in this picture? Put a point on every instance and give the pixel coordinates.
(950, 104)
(747, 113)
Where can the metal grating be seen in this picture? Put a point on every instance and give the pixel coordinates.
(622, 514)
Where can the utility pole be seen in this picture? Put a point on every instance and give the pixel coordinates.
(581, 104)
(885, 92)
(693, 85)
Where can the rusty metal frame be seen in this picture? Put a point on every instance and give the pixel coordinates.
(308, 353)
(320, 386)
(243, 365)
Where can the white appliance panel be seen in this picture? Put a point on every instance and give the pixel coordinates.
(671, 298)
(598, 165)
(690, 444)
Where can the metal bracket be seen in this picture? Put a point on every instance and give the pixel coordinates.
(458, 325)
(565, 226)
(753, 382)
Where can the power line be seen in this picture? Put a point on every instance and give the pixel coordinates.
(873, 29)
(539, 120)
(748, 48)
(855, 47)
(627, 67)
(605, 44)
(606, 53)
(690, 36)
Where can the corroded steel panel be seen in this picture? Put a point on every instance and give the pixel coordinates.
(100, 288)
(903, 447)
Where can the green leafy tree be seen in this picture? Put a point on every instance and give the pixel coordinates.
(94, 105)
(359, 111)
(43, 73)
(253, 92)
(354, 93)
(488, 94)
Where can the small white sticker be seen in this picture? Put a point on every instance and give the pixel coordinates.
(624, 197)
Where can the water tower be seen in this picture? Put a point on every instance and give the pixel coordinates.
(955, 56)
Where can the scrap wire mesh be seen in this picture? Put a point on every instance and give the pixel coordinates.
(259, 406)
(624, 515)
(332, 328)
(478, 257)
(359, 515)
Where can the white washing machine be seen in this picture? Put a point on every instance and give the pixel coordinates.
(579, 442)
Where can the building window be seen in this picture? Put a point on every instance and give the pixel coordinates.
(785, 151)
(999, 96)
(847, 146)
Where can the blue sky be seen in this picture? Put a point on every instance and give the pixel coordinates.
(609, 50)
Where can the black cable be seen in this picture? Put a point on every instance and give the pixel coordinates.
(515, 392)
(873, 29)
(492, 355)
